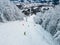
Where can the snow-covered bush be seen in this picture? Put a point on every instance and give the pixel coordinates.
(9, 11)
(50, 19)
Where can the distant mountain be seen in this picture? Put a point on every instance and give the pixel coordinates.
(30, 0)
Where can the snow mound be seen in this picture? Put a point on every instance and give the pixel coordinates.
(24, 33)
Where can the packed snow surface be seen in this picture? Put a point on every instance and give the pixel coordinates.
(24, 33)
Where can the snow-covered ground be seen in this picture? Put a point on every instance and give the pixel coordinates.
(24, 33)
(27, 32)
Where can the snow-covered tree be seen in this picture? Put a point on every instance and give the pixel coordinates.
(9, 12)
(50, 19)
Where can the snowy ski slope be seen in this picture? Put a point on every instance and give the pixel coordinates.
(24, 33)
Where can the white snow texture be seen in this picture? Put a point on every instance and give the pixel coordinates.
(22, 32)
